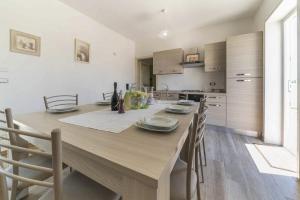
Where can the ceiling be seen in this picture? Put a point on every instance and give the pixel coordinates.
(138, 19)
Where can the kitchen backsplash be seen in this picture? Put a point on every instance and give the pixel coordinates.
(192, 79)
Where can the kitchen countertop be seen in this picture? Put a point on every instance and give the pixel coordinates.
(186, 92)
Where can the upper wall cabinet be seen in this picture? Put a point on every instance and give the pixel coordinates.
(215, 57)
(245, 55)
(168, 62)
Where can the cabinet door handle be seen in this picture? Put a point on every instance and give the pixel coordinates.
(3, 80)
(215, 105)
(212, 97)
(244, 80)
(247, 74)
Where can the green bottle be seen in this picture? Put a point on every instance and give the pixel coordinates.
(127, 98)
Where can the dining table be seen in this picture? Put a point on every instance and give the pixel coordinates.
(134, 163)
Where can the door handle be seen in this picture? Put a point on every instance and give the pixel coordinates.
(215, 105)
(290, 84)
(3, 80)
(244, 80)
(246, 74)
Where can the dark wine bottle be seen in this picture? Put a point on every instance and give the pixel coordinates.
(115, 99)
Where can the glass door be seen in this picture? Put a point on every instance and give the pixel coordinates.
(290, 84)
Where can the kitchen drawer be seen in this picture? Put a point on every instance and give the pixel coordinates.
(216, 113)
(216, 98)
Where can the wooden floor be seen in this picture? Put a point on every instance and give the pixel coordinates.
(231, 173)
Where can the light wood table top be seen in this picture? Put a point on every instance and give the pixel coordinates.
(134, 151)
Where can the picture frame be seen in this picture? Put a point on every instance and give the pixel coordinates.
(192, 58)
(82, 51)
(25, 43)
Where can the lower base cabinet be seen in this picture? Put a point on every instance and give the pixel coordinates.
(245, 104)
(216, 109)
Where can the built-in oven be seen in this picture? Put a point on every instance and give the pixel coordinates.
(183, 96)
(195, 97)
(191, 96)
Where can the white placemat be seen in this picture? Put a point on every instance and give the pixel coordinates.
(106, 120)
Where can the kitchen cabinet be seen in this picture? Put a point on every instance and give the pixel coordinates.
(245, 104)
(245, 82)
(216, 109)
(215, 57)
(168, 62)
(245, 55)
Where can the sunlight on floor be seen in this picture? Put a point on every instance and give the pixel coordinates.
(273, 160)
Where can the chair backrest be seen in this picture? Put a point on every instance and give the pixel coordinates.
(2, 120)
(198, 128)
(15, 139)
(56, 156)
(202, 105)
(60, 100)
(3, 135)
(107, 95)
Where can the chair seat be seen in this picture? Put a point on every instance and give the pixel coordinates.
(178, 181)
(78, 187)
(32, 174)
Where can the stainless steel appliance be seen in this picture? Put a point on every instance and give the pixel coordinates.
(194, 95)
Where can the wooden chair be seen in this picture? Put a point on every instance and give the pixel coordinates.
(18, 188)
(74, 187)
(3, 136)
(107, 95)
(202, 112)
(3, 123)
(188, 173)
(57, 101)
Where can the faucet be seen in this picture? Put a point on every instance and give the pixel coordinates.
(166, 86)
(166, 90)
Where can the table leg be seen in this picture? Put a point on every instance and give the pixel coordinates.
(135, 190)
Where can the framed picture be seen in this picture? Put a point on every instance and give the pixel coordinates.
(193, 57)
(82, 51)
(25, 43)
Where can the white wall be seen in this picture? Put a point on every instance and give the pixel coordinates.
(264, 12)
(298, 88)
(55, 72)
(193, 78)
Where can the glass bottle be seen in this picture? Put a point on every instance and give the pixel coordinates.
(115, 99)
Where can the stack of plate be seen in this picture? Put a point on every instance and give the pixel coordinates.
(185, 102)
(178, 109)
(104, 102)
(158, 124)
(63, 109)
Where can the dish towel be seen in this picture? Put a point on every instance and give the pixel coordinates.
(107, 120)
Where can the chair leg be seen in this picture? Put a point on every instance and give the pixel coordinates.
(204, 152)
(14, 189)
(201, 164)
(197, 173)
